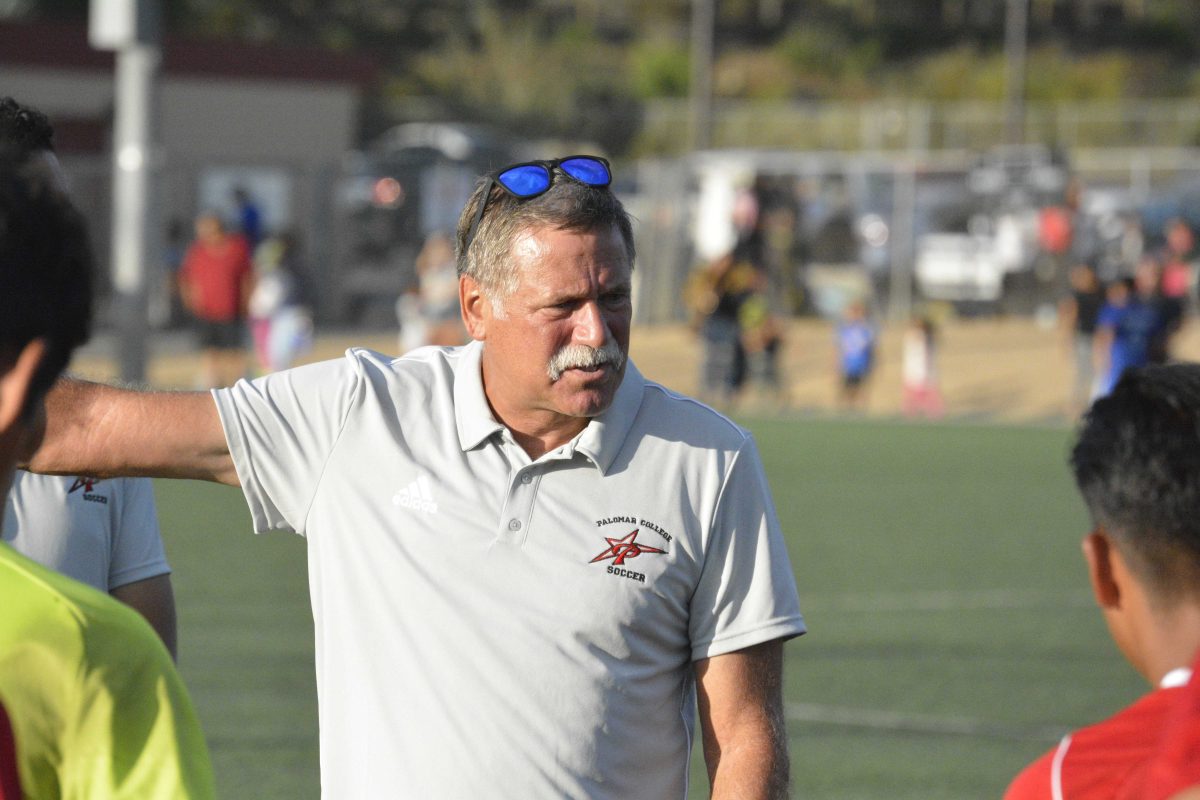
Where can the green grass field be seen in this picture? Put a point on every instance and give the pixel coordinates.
(952, 637)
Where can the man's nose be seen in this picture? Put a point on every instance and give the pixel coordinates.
(590, 327)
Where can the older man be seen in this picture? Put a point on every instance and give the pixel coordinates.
(529, 565)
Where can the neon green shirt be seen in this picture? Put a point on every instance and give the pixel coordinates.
(97, 707)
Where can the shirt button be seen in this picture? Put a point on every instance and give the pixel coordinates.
(514, 524)
(526, 478)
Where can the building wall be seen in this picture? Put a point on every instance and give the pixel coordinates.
(290, 134)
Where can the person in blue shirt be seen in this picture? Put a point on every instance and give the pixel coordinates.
(1130, 326)
(856, 354)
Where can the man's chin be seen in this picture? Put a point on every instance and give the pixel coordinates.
(587, 393)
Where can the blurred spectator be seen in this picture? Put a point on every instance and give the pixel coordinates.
(437, 279)
(715, 295)
(856, 342)
(167, 305)
(918, 369)
(762, 339)
(215, 283)
(1078, 313)
(1130, 327)
(279, 307)
(1177, 273)
(1137, 466)
(249, 218)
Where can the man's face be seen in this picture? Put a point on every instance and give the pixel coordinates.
(572, 298)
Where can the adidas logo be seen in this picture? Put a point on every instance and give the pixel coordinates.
(417, 496)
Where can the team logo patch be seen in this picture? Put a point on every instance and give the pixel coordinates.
(88, 486)
(622, 549)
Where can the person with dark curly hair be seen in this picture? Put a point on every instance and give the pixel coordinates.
(104, 533)
(96, 705)
(1137, 465)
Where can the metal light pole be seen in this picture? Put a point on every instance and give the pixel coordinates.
(131, 28)
(701, 84)
(1016, 24)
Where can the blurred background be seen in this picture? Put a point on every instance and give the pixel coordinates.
(925, 176)
(910, 151)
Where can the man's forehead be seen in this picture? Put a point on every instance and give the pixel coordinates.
(533, 245)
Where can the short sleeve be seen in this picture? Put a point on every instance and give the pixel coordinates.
(137, 547)
(281, 429)
(747, 592)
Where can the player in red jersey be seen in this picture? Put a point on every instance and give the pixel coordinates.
(1137, 465)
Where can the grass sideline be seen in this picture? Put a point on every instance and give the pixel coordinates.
(952, 638)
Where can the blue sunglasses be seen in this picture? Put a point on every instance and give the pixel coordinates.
(534, 178)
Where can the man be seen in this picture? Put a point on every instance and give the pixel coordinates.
(1137, 464)
(214, 284)
(104, 533)
(96, 706)
(529, 565)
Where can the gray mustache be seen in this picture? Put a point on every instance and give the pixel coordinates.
(581, 356)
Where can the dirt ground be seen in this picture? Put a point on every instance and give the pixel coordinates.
(1008, 370)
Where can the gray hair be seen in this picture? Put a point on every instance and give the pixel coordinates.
(567, 205)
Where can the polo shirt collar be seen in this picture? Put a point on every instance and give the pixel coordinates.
(604, 436)
(472, 413)
(600, 441)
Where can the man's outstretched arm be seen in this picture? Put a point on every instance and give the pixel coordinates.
(741, 717)
(104, 431)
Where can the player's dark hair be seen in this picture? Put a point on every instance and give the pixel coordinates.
(45, 268)
(1137, 464)
(24, 128)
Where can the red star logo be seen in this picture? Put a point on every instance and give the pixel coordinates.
(83, 483)
(623, 548)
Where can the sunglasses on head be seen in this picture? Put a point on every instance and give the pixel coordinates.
(533, 178)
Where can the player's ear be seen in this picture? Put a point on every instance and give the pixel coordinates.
(16, 379)
(474, 303)
(1100, 554)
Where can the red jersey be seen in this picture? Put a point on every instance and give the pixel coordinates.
(1105, 761)
(217, 274)
(1177, 764)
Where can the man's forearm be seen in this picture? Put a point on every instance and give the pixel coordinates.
(105, 431)
(753, 767)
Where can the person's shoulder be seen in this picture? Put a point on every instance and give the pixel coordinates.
(1034, 782)
(422, 362)
(50, 602)
(419, 372)
(669, 411)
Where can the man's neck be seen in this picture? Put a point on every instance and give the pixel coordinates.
(539, 436)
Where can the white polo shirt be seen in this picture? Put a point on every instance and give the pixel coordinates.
(102, 532)
(488, 626)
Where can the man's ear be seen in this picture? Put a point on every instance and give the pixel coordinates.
(474, 304)
(16, 378)
(1101, 555)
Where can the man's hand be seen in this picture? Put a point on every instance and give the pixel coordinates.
(741, 717)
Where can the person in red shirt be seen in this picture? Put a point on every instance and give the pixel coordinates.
(1174, 773)
(1137, 465)
(214, 284)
